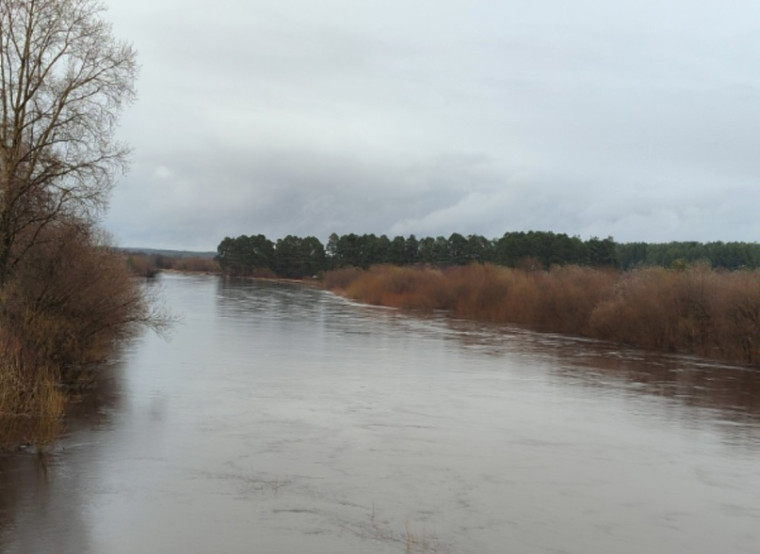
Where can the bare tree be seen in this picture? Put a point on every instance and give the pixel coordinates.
(63, 81)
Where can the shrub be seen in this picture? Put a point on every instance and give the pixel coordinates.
(62, 313)
(142, 264)
(195, 264)
(691, 309)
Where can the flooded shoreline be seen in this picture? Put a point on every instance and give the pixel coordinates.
(280, 418)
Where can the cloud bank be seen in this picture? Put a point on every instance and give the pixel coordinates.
(634, 119)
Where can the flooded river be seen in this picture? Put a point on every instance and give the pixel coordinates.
(281, 419)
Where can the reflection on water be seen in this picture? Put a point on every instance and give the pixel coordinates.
(725, 395)
(278, 418)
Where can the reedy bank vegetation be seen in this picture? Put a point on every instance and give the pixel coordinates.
(692, 310)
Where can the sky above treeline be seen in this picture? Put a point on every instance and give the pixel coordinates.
(638, 120)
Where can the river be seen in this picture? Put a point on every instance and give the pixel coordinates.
(277, 418)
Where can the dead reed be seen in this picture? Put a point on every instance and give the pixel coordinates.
(31, 400)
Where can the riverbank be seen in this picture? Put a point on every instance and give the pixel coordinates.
(691, 310)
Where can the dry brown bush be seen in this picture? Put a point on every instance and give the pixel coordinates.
(389, 285)
(195, 264)
(560, 300)
(142, 265)
(640, 310)
(491, 293)
(735, 327)
(567, 296)
(696, 310)
(63, 311)
(148, 265)
(77, 297)
(693, 310)
(339, 279)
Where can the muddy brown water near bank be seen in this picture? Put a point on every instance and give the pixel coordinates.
(281, 419)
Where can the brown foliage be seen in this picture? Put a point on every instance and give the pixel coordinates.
(693, 310)
(567, 296)
(142, 265)
(62, 312)
(697, 311)
(31, 401)
(73, 297)
(400, 287)
(148, 265)
(195, 264)
(493, 293)
(559, 300)
(339, 279)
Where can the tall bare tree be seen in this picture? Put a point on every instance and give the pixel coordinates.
(63, 81)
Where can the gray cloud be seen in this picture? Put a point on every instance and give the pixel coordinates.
(632, 119)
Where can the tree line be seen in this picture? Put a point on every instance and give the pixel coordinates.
(720, 255)
(297, 257)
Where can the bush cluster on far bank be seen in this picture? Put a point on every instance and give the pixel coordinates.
(149, 265)
(691, 310)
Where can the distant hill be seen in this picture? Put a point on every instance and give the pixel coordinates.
(169, 253)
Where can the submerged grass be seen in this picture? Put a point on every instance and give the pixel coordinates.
(693, 310)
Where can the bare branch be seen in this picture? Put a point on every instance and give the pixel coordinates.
(64, 79)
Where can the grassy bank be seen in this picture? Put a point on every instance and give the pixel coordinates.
(692, 310)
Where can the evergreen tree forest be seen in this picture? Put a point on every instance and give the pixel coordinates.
(297, 257)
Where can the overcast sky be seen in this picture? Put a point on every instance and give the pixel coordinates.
(633, 119)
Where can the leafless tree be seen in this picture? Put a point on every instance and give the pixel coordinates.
(63, 81)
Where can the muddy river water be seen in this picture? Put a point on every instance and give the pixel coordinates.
(281, 419)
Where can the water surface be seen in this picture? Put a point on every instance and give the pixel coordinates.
(282, 419)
